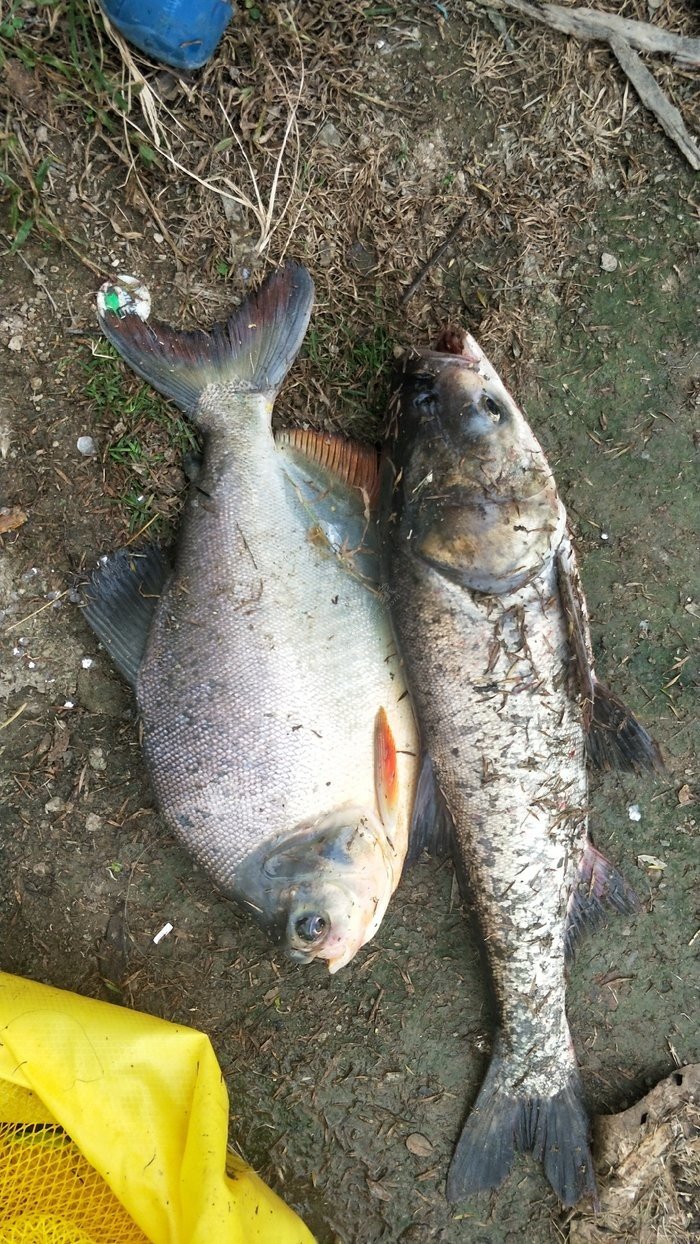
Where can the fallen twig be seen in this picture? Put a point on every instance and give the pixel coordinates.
(433, 259)
(653, 97)
(592, 24)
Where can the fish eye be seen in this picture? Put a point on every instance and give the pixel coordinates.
(423, 389)
(311, 927)
(493, 409)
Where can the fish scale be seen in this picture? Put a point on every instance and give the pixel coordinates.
(528, 812)
(246, 546)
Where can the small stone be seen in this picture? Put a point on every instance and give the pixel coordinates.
(87, 662)
(634, 813)
(16, 343)
(93, 822)
(608, 262)
(97, 759)
(86, 446)
(55, 805)
(328, 136)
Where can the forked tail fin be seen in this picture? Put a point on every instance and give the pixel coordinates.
(250, 352)
(505, 1121)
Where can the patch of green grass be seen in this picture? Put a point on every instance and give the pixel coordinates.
(117, 396)
(355, 368)
(148, 440)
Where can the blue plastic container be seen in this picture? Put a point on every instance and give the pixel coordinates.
(182, 33)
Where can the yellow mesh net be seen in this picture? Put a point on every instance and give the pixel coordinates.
(49, 1194)
(113, 1131)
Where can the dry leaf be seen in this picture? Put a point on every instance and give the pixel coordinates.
(11, 517)
(379, 1190)
(420, 1145)
(685, 794)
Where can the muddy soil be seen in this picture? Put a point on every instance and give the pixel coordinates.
(348, 1092)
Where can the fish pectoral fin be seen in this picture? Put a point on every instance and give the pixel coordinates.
(119, 602)
(250, 352)
(598, 888)
(341, 459)
(431, 828)
(386, 773)
(615, 738)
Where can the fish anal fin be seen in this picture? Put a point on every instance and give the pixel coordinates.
(599, 888)
(252, 351)
(505, 1120)
(431, 827)
(348, 461)
(119, 602)
(386, 773)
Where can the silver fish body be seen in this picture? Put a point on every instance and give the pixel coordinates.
(269, 676)
(480, 575)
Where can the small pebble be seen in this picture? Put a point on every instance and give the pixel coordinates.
(328, 136)
(634, 813)
(55, 805)
(608, 262)
(97, 759)
(92, 822)
(86, 446)
(87, 663)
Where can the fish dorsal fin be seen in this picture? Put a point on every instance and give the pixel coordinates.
(353, 464)
(120, 600)
(615, 738)
(386, 774)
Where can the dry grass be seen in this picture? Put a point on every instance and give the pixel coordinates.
(352, 137)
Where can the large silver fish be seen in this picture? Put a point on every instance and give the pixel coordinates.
(276, 726)
(492, 625)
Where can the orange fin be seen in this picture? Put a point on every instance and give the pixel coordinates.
(354, 464)
(386, 775)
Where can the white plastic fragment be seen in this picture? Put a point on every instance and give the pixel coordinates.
(126, 295)
(166, 929)
(86, 446)
(651, 862)
(634, 813)
(87, 663)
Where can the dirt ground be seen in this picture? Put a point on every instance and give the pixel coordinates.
(347, 1092)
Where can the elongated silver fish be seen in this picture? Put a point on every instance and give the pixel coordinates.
(278, 735)
(492, 625)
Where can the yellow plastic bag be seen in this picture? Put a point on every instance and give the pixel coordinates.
(113, 1129)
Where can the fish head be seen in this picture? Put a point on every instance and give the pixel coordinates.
(322, 891)
(475, 494)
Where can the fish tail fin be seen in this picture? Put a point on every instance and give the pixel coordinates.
(251, 352)
(504, 1121)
